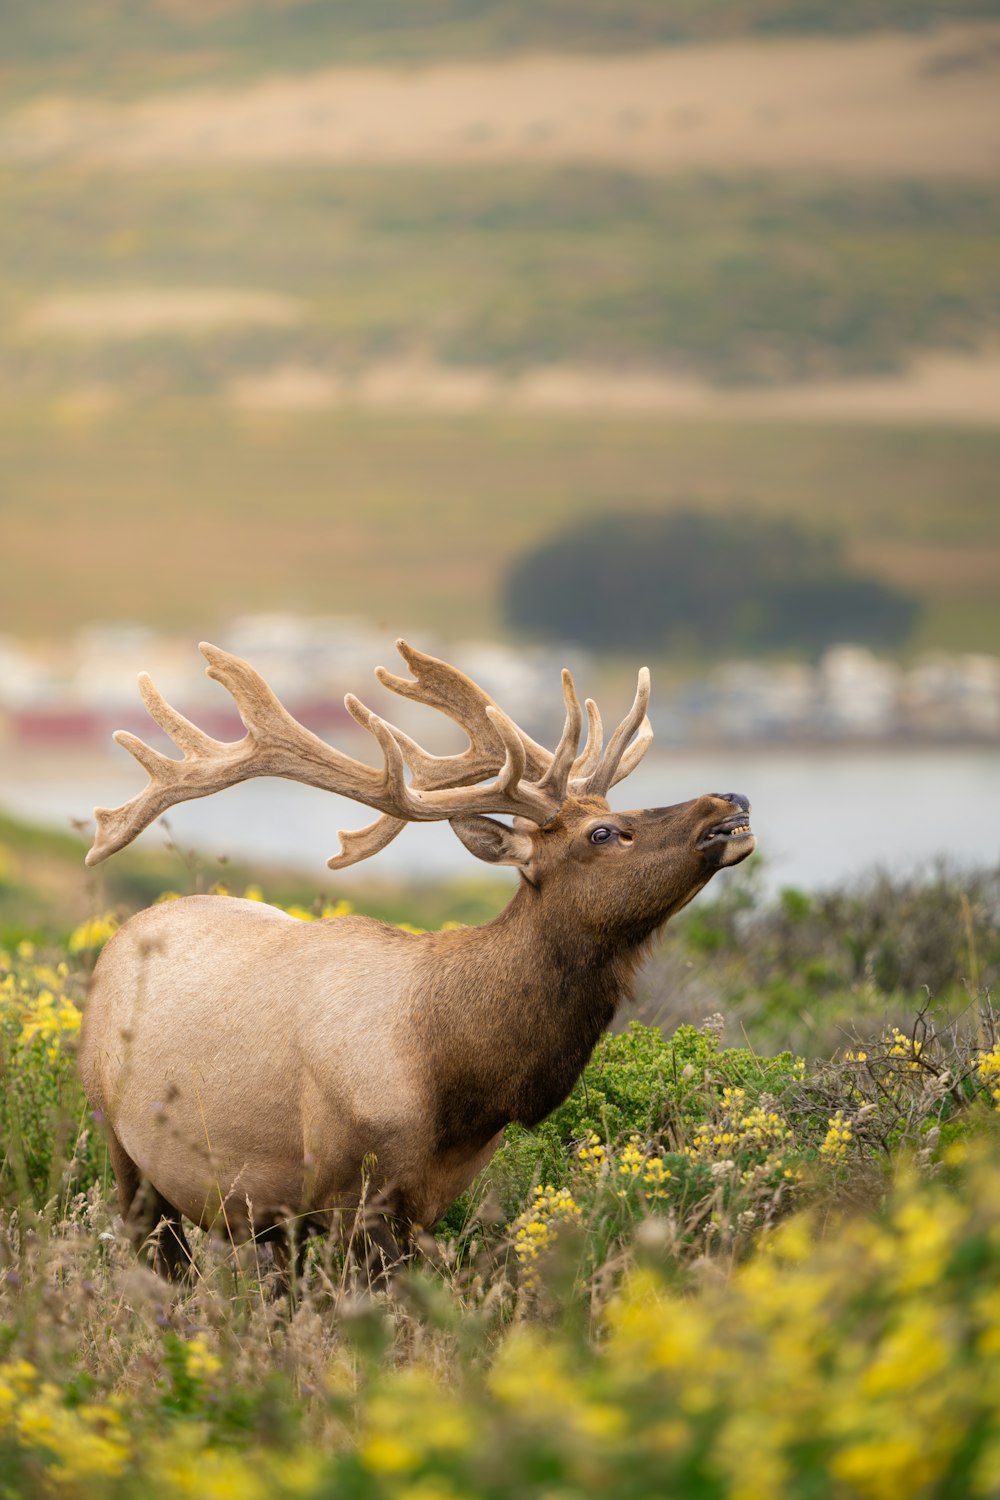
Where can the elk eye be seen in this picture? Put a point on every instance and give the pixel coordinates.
(601, 835)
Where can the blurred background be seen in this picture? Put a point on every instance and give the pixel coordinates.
(597, 332)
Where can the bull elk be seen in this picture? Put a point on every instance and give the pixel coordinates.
(253, 1069)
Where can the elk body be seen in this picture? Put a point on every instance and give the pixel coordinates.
(255, 1070)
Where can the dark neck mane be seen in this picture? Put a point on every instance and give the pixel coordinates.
(525, 1004)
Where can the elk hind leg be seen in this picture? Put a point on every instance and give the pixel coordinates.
(288, 1241)
(153, 1225)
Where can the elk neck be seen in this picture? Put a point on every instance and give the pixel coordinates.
(511, 1027)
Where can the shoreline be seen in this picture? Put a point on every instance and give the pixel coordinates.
(76, 763)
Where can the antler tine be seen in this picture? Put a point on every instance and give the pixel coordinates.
(556, 778)
(185, 735)
(590, 758)
(515, 760)
(440, 685)
(635, 752)
(422, 804)
(395, 771)
(606, 775)
(437, 683)
(257, 703)
(168, 783)
(118, 826)
(358, 843)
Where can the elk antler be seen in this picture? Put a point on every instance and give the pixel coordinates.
(531, 782)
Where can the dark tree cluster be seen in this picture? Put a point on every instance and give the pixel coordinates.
(687, 581)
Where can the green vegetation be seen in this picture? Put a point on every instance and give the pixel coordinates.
(628, 582)
(128, 44)
(718, 1271)
(376, 513)
(736, 280)
(813, 970)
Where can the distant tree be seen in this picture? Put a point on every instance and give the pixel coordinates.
(713, 583)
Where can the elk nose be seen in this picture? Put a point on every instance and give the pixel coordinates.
(737, 798)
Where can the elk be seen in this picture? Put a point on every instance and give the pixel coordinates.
(255, 1071)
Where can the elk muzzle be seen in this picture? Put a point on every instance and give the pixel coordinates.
(729, 840)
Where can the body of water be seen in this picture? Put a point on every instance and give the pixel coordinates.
(822, 816)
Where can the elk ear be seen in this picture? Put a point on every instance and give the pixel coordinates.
(494, 842)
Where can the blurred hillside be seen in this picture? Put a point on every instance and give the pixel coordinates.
(101, 43)
(301, 310)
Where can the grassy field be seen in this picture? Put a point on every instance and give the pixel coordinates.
(184, 513)
(739, 279)
(127, 446)
(722, 1271)
(180, 348)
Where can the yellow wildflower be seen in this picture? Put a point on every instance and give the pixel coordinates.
(201, 1362)
(632, 1158)
(593, 1153)
(885, 1467)
(208, 1474)
(50, 1019)
(537, 1229)
(340, 909)
(838, 1137)
(988, 1068)
(17, 1379)
(385, 1454)
(410, 1419)
(656, 1176)
(86, 1443)
(93, 934)
(538, 1379)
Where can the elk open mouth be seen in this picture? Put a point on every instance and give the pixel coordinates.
(728, 841)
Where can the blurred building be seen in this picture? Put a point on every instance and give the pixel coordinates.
(858, 694)
(754, 700)
(78, 693)
(944, 696)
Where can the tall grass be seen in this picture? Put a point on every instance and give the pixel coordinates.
(716, 1271)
